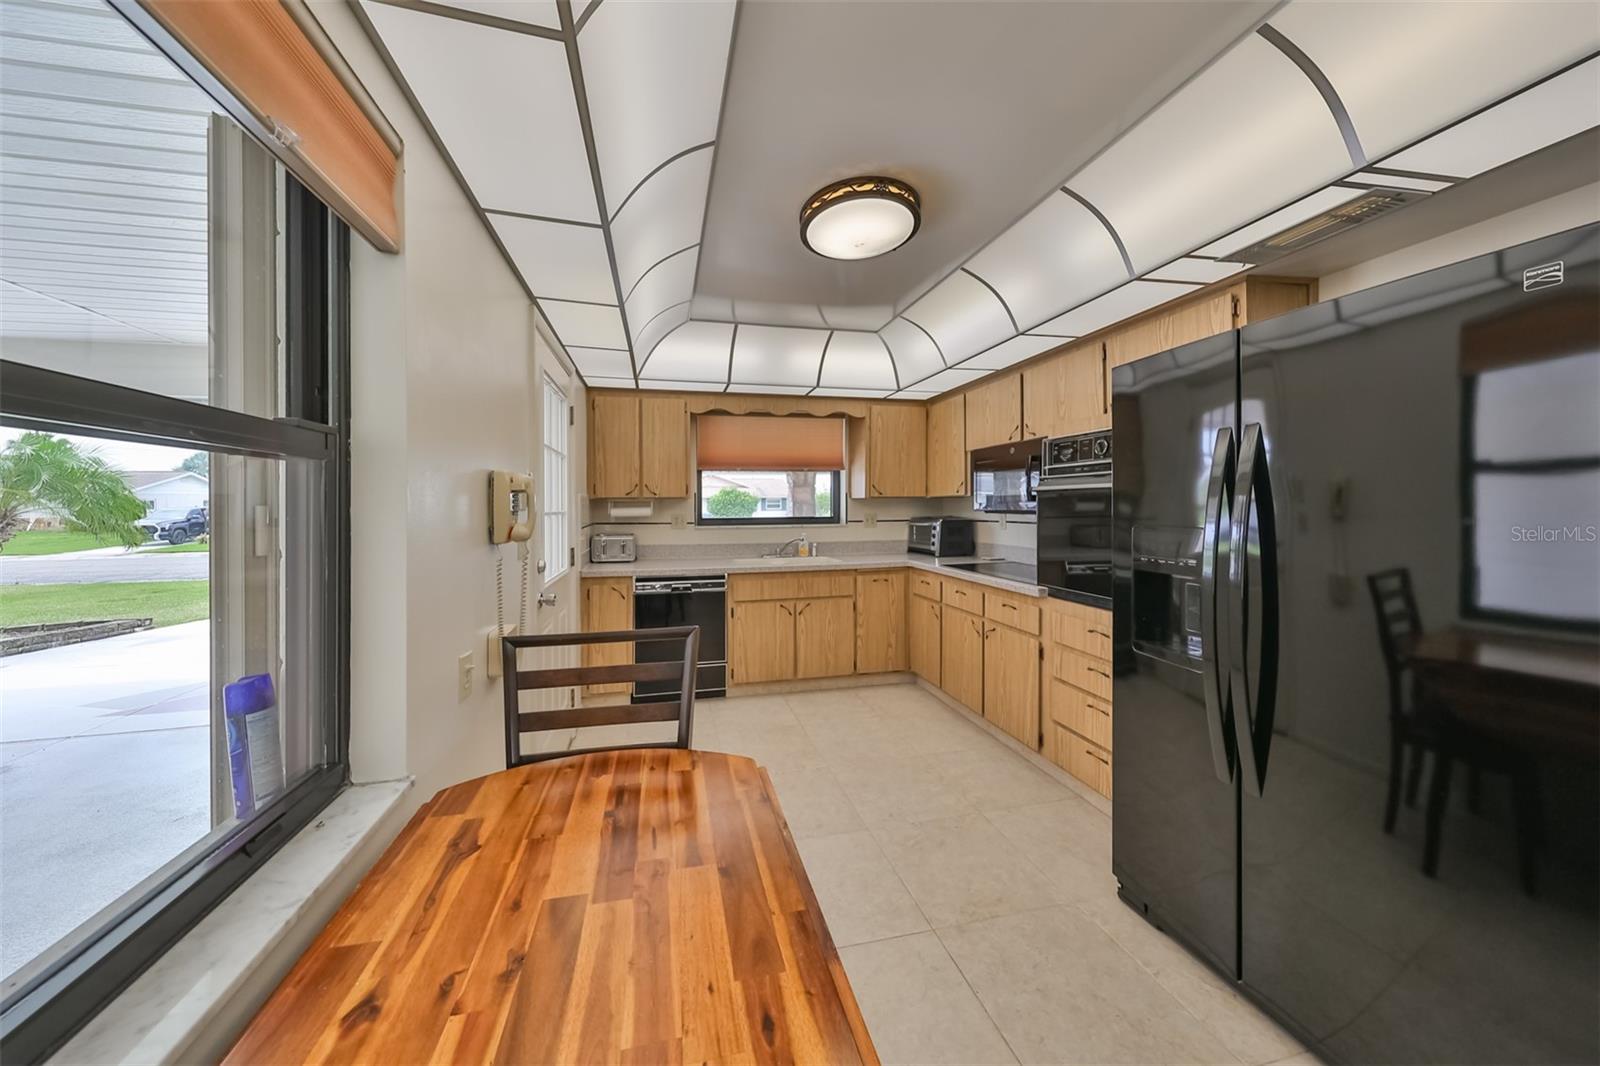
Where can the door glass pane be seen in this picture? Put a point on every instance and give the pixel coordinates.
(139, 239)
(160, 663)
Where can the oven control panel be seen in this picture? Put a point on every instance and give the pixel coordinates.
(1071, 454)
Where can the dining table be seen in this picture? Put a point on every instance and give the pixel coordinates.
(640, 906)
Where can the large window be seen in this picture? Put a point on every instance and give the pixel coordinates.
(769, 497)
(1532, 491)
(173, 516)
(557, 539)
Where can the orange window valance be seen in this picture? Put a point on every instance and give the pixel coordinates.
(260, 52)
(770, 442)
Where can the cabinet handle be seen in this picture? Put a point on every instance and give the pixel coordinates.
(648, 491)
(1102, 710)
(1009, 606)
(1102, 673)
(633, 490)
(875, 490)
(1105, 399)
(623, 596)
(786, 609)
(802, 609)
(1100, 633)
(1090, 752)
(1016, 432)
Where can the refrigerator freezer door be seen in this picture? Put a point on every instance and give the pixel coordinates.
(1434, 426)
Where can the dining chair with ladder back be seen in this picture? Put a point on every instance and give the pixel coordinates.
(515, 681)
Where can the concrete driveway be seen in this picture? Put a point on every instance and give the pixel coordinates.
(105, 775)
(83, 568)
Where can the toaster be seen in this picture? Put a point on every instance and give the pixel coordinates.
(613, 548)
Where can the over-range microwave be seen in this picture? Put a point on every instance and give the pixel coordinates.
(1005, 477)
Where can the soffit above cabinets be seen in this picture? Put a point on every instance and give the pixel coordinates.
(635, 162)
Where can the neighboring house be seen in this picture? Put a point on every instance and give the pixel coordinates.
(168, 494)
(770, 490)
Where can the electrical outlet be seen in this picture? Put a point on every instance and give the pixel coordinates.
(869, 519)
(680, 521)
(464, 675)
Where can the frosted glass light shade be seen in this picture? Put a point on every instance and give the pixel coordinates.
(860, 218)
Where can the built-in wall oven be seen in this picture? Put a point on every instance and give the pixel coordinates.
(660, 602)
(1074, 531)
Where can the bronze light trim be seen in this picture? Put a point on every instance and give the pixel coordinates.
(868, 188)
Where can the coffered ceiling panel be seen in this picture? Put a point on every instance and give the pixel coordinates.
(502, 104)
(953, 378)
(1193, 269)
(856, 361)
(677, 53)
(601, 362)
(1011, 352)
(1058, 255)
(964, 316)
(668, 284)
(777, 355)
(1113, 307)
(585, 325)
(534, 12)
(647, 336)
(695, 351)
(860, 394)
(559, 261)
(663, 217)
(1404, 68)
(914, 353)
(806, 315)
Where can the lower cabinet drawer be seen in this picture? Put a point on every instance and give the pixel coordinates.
(818, 585)
(1080, 712)
(1085, 629)
(1088, 762)
(964, 597)
(924, 585)
(1081, 671)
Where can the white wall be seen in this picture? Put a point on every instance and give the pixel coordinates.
(443, 351)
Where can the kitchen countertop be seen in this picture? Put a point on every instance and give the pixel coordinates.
(876, 561)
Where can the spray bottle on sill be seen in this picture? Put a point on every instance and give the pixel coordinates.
(255, 753)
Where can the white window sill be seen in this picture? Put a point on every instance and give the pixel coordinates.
(191, 1003)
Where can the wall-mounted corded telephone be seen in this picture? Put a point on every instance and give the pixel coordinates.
(510, 521)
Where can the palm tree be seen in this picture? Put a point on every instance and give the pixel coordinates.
(40, 471)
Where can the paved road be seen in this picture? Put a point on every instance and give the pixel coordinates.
(82, 568)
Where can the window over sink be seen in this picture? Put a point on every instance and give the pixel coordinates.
(769, 470)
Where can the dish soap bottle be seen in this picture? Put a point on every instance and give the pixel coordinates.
(804, 551)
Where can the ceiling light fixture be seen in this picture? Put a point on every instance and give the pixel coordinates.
(859, 218)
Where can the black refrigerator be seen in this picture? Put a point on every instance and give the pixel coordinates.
(1301, 507)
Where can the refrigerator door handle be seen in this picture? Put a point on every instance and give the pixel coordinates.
(1253, 705)
(1213, 660)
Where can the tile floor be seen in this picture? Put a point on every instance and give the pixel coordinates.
(970, 891)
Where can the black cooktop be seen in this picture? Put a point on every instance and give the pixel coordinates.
(1026, 573)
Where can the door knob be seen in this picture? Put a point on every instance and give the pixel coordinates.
(547, 599)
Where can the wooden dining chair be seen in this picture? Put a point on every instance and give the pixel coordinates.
(1412, 724)
(515, 681)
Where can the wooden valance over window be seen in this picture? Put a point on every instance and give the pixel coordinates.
(768, 442)
(267, 57)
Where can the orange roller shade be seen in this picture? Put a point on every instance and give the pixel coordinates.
(768, 442)
(259, 53)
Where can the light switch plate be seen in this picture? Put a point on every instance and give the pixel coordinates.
(464, 675)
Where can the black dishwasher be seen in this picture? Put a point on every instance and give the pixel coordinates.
(659, 602)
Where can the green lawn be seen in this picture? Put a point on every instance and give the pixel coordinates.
(192, 546)
(168, 602)
(50, 542)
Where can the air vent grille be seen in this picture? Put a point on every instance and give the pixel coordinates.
(1370, 205)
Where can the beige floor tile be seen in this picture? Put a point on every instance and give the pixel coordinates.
(960, 869)
(892, 790)
(775, 745)
(917, 1005)
(1033, 831)
(1247, 1032)
(994, 780)
(1061, 990)
(828, 705)
(610, 736)
(813, 803)
(743, 711)
(862, 897)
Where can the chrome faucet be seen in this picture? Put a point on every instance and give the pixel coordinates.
(787, 550)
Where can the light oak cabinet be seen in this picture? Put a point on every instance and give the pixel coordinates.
(947, 447)
(664, 447)
(638, 446)
(1011, 682)
(1067, 394)
(994, 412)
(607, 605)
(926, 626)
(961, 657)
(613, 445)
(881, 622)
(1077, 692)
(782, 627)
(761, 642)
(824, 637)
(888, 451)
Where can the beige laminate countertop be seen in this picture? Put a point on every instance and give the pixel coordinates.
(707, 567)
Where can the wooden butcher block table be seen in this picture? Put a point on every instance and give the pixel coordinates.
(643, 906)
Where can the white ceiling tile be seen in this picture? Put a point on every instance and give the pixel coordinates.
(808, 316)
(608, 383)
(775, 390)
(1397, 181)
(683, 386)
(1543, 115)
(870, 317)
(913, 394)
(653, 74)
(945, 380)
(1113, 307)
(963, 316)
(670, 282)
(914, 353)
(585, 325)
(648, 334)
(662, 218)
(1247, 135)
(1010, 352)
(695, 351)
(1058, 255)
(534, 12)
(1281, 219)
(502, 103)
(559, 261)
(713, 308)
(777, 355)
(860, 394)
(1405, 68)
(856, 360)
(1197, 271)
(601, 362)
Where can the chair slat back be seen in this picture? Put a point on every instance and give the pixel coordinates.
(515, 681)
(1399, 622)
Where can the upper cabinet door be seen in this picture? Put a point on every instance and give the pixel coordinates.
(947, 446)
(897, 445)
(994, 412)
(664, 446)
(613, 445)
(1066, 394)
